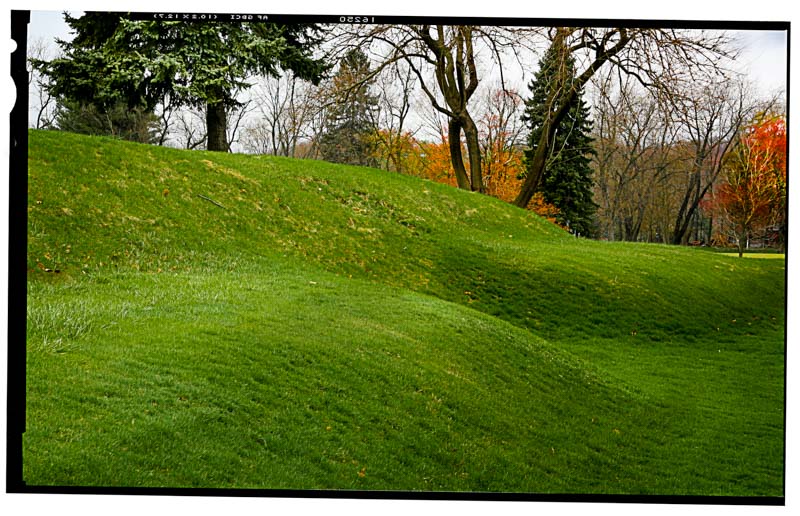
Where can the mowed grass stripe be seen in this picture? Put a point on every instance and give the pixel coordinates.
(294, 384)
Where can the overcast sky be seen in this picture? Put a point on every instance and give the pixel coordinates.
(763, 55)
(763, 58)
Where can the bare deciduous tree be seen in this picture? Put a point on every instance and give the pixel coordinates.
(235, 115)
(660, 151)
(165, 113)
(634, 156)
(286, 110)
(395, 90)
(661, 59)
(190, 128)
(43, 103)
(711, 116)
(445, 61)
(500, 126)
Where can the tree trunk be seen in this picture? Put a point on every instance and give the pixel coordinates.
(558, 103)
(216, 127)
(688, 210)
(710, 232)
(684, 212)
(474, 151)
(633, 228)
(456, 157)
(536, 169)
(561, 101)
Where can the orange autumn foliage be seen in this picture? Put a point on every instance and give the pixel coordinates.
(767, 139)
(397, 152)
(755, 180)
(435, 162)
(753, 193)
(502, 169)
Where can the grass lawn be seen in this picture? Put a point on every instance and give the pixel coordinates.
(256, 322)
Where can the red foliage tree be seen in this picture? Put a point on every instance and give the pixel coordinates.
(753, 194)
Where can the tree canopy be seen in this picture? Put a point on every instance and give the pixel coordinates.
(662, 60)
(566, 180)
(753, 193)
(350, 118)
(144, 63)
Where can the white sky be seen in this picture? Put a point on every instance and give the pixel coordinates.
(48, 25)
(763, 57)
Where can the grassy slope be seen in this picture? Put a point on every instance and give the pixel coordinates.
(318, 326)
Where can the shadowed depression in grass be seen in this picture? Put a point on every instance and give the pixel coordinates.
(211, 320)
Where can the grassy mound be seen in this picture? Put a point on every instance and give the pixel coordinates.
(238, 321)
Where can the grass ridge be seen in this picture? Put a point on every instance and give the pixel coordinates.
(251, 321)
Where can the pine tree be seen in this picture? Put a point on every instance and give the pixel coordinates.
(349, 137)
(115, 59)
(567, 179)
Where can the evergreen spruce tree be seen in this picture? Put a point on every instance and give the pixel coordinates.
(115, 60)
(567, 179)
(349, 135)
